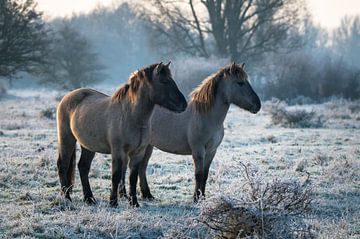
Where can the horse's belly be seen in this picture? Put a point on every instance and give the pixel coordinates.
(95, 146)
(171, 146)
(90, 137)
(181, 151)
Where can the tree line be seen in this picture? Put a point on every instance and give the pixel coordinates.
(286, 54)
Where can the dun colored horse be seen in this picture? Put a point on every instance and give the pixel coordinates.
(199, 130)
(116, 125)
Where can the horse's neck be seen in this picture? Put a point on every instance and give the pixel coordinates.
(142, 109)
(217, 114)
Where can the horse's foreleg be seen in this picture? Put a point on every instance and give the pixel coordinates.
(118, 159)
(84, 168)
(145, 190)
(199, 158)
(122, 188)
(209, 156)
(133, 177)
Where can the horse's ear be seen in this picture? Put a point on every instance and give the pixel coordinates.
(243, 65)
(159, 68)
(233, 68)
(168, 64)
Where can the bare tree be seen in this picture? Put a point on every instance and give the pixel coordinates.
(72, 63)
(237, 28)
(347, 40)
(23, 37)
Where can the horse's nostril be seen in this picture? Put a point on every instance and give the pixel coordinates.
(255, 109)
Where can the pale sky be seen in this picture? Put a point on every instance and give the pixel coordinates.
(327, 13)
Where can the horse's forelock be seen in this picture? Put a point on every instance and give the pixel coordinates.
(236, 70)
(165, 71)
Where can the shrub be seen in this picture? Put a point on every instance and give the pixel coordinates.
(3, 89)
(297, 118)
(314, 75)
(354, 107)
(49, 113)
(272, 209)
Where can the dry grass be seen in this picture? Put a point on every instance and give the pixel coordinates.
(262, 210)
(30, 206)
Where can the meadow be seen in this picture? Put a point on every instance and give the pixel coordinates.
(318, 143)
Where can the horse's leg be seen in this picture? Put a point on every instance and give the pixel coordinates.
(118, 159)
(145, 190)
(84, 168)
(208, 159)
(199, 158)
(71, 171)
(133, 177)
(122, 189)
(66, 159)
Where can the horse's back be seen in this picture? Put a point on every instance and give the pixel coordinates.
(74, 98)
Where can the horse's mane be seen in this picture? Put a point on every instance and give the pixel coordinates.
(131, 88)
(203, 96)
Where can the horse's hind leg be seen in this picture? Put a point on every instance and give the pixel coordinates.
(145, 190)
(65, 163)
(84, 168)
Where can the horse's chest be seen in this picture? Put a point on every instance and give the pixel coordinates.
(139, 141)
(215, 140)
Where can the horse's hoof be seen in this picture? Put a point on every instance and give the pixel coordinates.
(134, 204)
(90, 201)
(113, 203)
(148, 197)
(123, 195)
(68, 198)
(197, 199)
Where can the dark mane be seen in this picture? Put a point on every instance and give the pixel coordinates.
(203, 97)
(135, 83)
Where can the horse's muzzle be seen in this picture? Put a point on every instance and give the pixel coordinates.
(255, 109)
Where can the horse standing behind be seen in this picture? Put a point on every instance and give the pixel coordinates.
(199, 130)
(117, 125)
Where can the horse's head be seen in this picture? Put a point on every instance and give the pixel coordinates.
(237, 89)
(163, 89)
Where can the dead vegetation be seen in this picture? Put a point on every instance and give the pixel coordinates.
(49, 113)
(294, 118)
(264, 209)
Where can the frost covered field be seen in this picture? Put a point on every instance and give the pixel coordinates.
(30, 205)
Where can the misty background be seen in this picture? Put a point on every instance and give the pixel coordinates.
(286, 54)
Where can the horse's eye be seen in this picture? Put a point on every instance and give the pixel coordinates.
(240, 83)
(164, 81)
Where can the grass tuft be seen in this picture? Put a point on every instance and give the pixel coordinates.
(264, 209)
